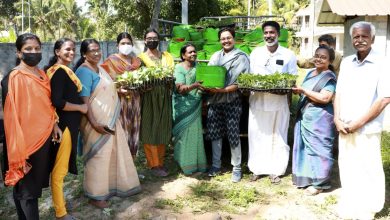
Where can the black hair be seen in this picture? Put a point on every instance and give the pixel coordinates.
(330, 53)
(124, 35)
(21, 40)
(83, 50)
(274, 24)
(329, 39)
(229, 29)
(57, 45)
(183, 50)
(151, 30)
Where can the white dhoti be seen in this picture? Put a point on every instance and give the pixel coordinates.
(267, 137)
(361, 175)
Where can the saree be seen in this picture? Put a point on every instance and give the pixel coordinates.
(314, 134)
(130, 116)
(187, 125)
(109, 168)
(29, 118)
(156, 113)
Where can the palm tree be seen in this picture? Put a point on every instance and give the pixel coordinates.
(70, 16)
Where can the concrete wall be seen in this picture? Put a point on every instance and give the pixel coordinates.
(8, 53)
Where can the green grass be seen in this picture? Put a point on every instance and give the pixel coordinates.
(385, 213)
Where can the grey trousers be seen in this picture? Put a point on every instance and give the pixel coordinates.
(235, 152)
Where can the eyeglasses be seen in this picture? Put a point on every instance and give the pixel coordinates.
(320, 57)
(97, 51)
(226, 38)
(151, 39)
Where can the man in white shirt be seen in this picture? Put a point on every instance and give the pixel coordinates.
(269, 113)
(362, 93)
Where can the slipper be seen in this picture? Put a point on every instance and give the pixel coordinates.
(311, 191)
(274, 179)
(254, 177)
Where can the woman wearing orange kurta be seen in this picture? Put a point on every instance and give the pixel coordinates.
(29, 121)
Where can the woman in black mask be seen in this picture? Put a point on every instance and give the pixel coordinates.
(30, 126)
(156, 123)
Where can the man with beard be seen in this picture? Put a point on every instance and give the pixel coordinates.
(269, 112)
(362, 93)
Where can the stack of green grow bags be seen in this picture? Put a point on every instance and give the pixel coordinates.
(181, 31)
(174, 47)
(211, 35)
(244, 47)
(211, 48)
(254, 36)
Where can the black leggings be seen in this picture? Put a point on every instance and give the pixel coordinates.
(27, 209)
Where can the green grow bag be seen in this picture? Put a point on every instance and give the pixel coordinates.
(196, 36)
(201, 55)
(283, 44)
(181, 32)
(255, 35)
(212, 48)
(283, 34)
(211, 34)
(244, 47)
(198, 44)
(240, 35)
(174, 48)
(212, 76)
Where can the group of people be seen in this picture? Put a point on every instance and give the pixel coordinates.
(113, 121)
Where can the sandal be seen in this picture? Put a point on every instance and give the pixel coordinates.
(275, 179)
(66, 217)
(254, 177)
(311, 191)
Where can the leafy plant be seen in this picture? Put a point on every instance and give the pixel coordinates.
(272, 81)
(145, 77)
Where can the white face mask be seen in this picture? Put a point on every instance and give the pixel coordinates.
(125, 49)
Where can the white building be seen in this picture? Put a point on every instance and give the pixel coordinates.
(309, 31)
(346, 12)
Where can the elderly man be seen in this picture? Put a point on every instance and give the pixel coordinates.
(269, 113)
(327, 40)
(362, 93)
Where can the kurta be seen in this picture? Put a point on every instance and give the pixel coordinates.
(29, 118)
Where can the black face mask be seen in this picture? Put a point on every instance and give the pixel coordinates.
(152, 44)
(31, 59)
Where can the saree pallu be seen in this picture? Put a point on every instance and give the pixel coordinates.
(314, 134)
(109, 168)
(188, 133)
(130, 116)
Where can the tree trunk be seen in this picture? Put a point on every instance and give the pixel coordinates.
(156, 13)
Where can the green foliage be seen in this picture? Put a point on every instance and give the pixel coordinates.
(143, 76)
(272, 81)
(7, 8)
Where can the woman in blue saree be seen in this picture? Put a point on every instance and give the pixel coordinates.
(314, 131)
(187, 119)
